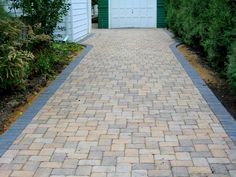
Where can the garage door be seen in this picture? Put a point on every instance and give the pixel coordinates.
(133, 13)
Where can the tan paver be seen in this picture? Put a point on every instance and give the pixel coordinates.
(128, 109)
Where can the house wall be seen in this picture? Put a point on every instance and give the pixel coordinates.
(77, 23)
(103, 14)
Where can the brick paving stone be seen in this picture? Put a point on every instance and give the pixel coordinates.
(139, 173)
(98, 175)
(103, 169)
(219, 169)
(129, 109)
(233, 173)
(159, 173)
(70, 163)
(123, 168)
(182, 156)
(180, 171)
(84, 170)
(109, 161)
(163, 165)
(51, 164)
(118, 175)
(200, 162)
(218, 160)
(61, 171)
(5, 173)
(199, 170)
(11, 166)
(31, 166)
(22, 173)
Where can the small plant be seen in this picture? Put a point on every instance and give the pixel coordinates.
(14, 68)
(43, 63)
(55, 55)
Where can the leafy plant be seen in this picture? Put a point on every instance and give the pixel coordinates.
(15, 33)
(55, 55)
(43, 63)
(44, 13)
(17, 44)
(13, 67)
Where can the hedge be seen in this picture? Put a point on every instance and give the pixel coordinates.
(208, 25)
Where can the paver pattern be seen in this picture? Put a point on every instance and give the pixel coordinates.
(128, 110)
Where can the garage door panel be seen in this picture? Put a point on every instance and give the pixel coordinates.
(133, 13)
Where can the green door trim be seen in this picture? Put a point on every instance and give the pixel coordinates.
(103, 14)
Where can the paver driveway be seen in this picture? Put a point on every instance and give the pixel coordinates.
(128, 109)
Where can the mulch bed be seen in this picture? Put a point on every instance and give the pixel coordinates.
(215, 82)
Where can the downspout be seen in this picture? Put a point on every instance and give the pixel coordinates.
(68, 23)
(66, 34)
(71, 22)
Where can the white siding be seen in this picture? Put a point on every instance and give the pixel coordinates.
(17, 12)
(78, 20)
(81, 18)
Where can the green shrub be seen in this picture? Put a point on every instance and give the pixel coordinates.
(13, 67)
(231, 71)
(15, 33)
(44, 13)
(219, 36)
(209, 25)
(13, 60)
(24, 55)
(17, 44)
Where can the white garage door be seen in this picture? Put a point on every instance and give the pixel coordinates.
(133, 13)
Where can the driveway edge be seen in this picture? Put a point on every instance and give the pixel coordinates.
(225, 118)
(7, 139)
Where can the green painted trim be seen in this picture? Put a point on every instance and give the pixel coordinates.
(103, 13)
(161, 14)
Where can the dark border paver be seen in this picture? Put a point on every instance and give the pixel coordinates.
(216, 106)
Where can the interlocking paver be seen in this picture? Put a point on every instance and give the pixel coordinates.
(129, 109)
(180, 171)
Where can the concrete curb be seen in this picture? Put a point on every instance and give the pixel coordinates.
(7, 139)
(226, 119)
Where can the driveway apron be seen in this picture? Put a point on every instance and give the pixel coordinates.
(127, 110)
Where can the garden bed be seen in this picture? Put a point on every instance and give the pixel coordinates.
(14, 103)
(216, 83)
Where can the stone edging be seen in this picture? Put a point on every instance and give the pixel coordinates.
(226, 119)
(7, 139)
